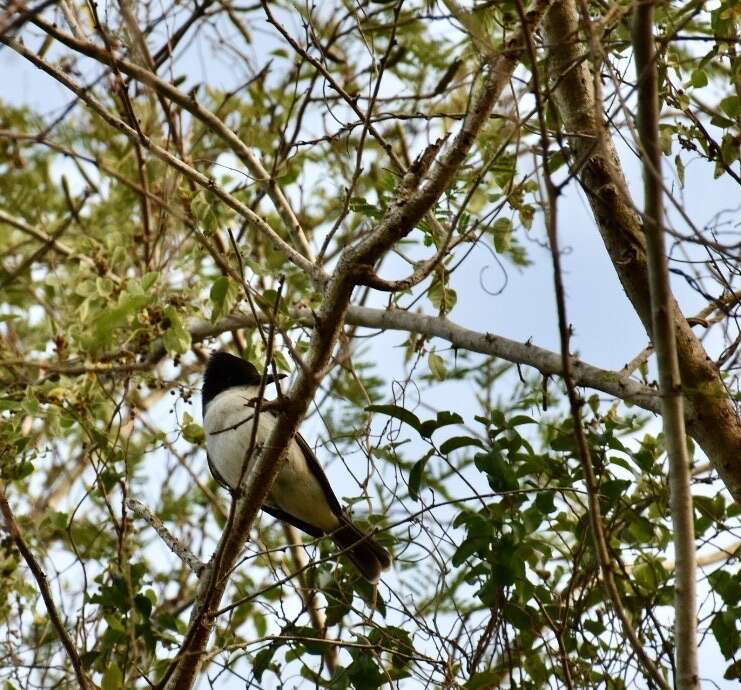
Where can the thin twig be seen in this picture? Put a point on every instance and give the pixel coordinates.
(308, 595)
(41, 581)
(172, 542)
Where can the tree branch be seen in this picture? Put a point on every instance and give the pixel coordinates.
(715, 424)
(584, 451)
(670, 383)
(40, 577)
(214, 123)
(615, 383)
(172, 542)
(415, 199)
(548, 363)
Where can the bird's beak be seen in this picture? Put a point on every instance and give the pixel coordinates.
(272, 379)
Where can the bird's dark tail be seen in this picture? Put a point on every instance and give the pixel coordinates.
(368, 556)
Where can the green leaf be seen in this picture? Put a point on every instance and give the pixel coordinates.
(364, 673)
(556, 161)
(519, 616)
(361, 206)
(143, 605)
(729, 148)
(443, 298)
(727, 585)
(519, 420)
(722, 122)
(502, 230)
(482, 680)
(437, 366)
(641, 530)
(262, 660)
(730, 106)
(724, 627)
(176, 339)
(104, 286)
(733, 672)
(648, 576)
(666, 135)
(149, 280)
(504, 169)
(699, 78)
(22, 470)
(370, 594)
(223, 295)
(118, 316)
(394, 638)
(444, 418)
(310, 639)
(468, 548)
(339, 601)
(415, 476)
(112, 678)
(459, 442)
(595, 627)
(397, 412)
(500, 473)
(545, 502)
(192, 431)
(527, 214)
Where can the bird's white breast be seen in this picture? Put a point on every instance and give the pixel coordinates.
(229, 424)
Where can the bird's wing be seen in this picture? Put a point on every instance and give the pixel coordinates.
(316, 469)
(216, 474)
(292, 520)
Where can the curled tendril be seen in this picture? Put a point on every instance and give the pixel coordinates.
(499, 263)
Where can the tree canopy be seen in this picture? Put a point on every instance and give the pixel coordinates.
(313, 187)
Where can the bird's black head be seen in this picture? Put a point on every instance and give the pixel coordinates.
(225, 371)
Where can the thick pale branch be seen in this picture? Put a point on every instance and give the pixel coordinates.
(615, 383)
(545, 361)
(715, 423)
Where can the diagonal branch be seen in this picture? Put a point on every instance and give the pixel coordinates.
(716, 424)
(181, 166)
(419, 192)
(172, 542)
(40, 577)
(212, 121)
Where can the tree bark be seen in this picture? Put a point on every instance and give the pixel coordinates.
(670, 383)
(715, 423)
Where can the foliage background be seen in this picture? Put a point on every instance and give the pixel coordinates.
(113, 262)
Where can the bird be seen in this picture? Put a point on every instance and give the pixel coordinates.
(301, 494)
